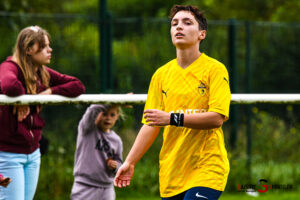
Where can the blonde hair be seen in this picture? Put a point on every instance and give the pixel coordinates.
(118, 107)
(26, 39)
(97, 108)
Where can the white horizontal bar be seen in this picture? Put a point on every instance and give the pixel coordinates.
(85, 98)
(138, 99)
(265, 98)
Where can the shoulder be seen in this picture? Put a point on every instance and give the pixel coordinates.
(9, 64)
(116, 137)
(9, 69)
(161, 71)
(213, 64)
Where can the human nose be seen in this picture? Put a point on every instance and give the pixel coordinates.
(179, 26)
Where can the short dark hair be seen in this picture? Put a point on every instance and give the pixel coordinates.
(199, 16)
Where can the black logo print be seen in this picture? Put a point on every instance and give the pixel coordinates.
(225, 79)
(164, 92)
(103, 145)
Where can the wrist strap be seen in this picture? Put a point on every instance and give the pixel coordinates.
(176, 119)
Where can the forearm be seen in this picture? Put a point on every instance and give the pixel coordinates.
(208, 120)
(65, 85)
(143, 141)
(87, 121)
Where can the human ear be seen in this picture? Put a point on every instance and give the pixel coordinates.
(29, 51)
(202, 34)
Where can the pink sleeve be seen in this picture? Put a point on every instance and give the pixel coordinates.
(65, 85)
(9, 80)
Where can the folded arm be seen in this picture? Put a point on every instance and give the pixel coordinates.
(65, 85)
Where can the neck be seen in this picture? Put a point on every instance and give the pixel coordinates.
(186, 57)
(14, 58)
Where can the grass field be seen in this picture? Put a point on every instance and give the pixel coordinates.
(240, 196)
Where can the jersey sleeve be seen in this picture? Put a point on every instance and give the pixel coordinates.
(220, 95)
(154, 97)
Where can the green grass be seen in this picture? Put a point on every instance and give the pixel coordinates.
(239, 196)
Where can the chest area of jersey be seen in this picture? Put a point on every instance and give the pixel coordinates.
(185, 91)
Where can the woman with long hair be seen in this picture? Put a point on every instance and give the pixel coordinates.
(25, 72)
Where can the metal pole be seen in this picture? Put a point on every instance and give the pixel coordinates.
(249, 107)
(232, 45)
(109, 27)
(103, 44)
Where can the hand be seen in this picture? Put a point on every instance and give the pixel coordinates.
(4, 181)
(157, 117)
(22, 112)
(39, 108)
(112, 164)
(47, 91)
(98, 119)
(124, 175)
(126, 105)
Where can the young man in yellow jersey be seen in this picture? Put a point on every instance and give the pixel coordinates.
(189, 97)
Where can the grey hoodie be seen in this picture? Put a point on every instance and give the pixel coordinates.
(93, 148)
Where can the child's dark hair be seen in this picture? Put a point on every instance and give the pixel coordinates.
(199, 16)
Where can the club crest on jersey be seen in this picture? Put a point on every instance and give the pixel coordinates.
(202, 89)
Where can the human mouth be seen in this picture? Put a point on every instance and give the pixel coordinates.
(179, 35)
(107, 123)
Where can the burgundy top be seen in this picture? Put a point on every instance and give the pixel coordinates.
(23, 137)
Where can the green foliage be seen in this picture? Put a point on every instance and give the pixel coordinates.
(134, 61)
(134, 8)
(275, 147)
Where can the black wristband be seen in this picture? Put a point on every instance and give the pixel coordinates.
(176, 119)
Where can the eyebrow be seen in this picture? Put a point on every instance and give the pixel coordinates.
(184, 19)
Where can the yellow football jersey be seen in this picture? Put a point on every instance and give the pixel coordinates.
(191, 157)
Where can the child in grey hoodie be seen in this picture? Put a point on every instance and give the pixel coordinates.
(98, 154)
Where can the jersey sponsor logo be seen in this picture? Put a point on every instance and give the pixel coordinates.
(202, 89)
(189, 111)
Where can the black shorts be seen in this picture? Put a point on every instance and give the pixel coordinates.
(197, 193)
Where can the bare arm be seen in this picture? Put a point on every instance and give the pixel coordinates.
(143, 141)
(207, 120)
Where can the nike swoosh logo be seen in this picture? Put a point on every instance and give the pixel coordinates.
(199, 195)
